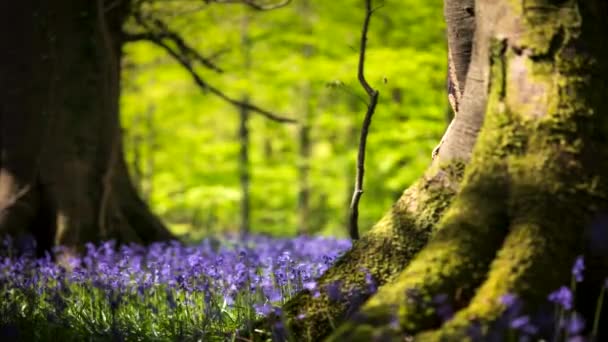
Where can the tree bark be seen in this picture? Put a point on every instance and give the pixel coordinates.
(62, 174)
(536, 179)
(533, 107)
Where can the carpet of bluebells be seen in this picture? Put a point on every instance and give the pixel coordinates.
(163, 292)
(208, 291)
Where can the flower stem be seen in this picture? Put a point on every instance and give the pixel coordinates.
(598, 311)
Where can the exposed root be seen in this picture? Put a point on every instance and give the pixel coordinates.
(374, 260)
(453, 263)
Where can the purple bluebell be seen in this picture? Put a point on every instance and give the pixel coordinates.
(524, 325)
(310, 285)
(508, 299)
(443, 307)
(257, 270)
(575, 324)
(263, 309)
(578, 268)
(334, 291)
(370, 282)
(562, 297)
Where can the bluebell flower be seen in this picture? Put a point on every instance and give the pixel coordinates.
(7, 242)
(508, 300)
(562, 297)
(370, 282)
(394, 322)
(443, 307)
(279, 333)
(578, 269)
(334, 291)
(524, 325)
(310, 285)
(520, 322)
(575, 324)
(217, 273)
(263, 309)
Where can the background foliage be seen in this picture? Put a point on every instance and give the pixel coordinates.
(182, 143)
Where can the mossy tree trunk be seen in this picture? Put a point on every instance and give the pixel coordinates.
(534, 108)
(63, 177)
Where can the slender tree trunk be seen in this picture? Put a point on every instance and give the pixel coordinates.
(304, 161)
(244, 167)
(244, 141)
(304, 127)
(62, 172)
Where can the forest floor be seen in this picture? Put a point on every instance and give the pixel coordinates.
(202, 292)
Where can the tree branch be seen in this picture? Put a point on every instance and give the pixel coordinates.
(164, 33)
(183, 55)
(371, 108)
(257, 5)
(142, 36)
(363, 46)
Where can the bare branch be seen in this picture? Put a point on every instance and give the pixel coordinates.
(162, 32)
(257, 5)
(363, 47)
(137, 37)
(206, 86)
(371, 108)
(183, 55)
(346, 89)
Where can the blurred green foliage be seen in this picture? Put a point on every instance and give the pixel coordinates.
(182, 143)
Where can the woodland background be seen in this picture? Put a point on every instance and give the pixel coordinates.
(182, 143)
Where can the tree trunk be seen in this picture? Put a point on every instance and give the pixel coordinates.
(304, 128)
(62, 174)
(244, 167)
(304, 160)
(535, 182)
(244, 140)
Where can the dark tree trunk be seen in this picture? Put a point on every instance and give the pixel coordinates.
(62, 172)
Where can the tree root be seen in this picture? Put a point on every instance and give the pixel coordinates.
(544, 206)
(374, 260)
(453, 263)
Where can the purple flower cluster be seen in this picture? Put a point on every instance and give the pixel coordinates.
(562, 322)
(207, 282)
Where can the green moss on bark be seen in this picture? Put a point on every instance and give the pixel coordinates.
(536, 178)
(376, 258)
